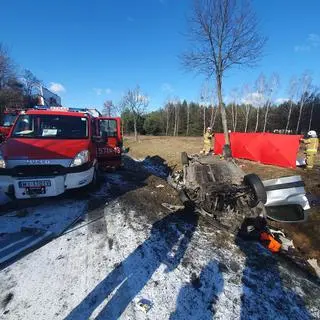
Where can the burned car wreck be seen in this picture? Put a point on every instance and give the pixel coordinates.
(219, 189)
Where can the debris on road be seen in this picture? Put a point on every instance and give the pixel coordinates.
(144, 305)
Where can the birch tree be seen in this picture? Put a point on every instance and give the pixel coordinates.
(271, 90)
(292, 90)
(234, 108)
(259, 96)
(136, 102)
(304, 89)
(247, 105)
(224, 34)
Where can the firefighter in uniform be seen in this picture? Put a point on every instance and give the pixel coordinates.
(311, 143)
(207, 141)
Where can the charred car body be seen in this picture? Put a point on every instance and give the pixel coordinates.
(219, 189)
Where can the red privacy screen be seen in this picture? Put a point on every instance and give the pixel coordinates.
(268, 148)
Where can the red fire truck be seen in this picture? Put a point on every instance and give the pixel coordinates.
(51, 150)
(6, 122)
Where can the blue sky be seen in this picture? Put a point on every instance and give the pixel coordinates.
(91, 51)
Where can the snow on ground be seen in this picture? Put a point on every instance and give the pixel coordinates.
(3, 198)
(119, 258)
(184, 270)
(54, 217)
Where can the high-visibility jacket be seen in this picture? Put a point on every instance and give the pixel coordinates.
(312, 145)
(207, 138)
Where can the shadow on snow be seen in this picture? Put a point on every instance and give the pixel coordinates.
(263, 293)
(167, 243)
(197, 299)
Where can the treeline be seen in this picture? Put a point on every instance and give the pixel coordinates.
(16, 86)
(191, 119)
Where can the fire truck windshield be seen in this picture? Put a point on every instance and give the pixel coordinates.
(50, 127)
(8, 120)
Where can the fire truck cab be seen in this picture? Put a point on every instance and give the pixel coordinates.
(51, 150)
(6, 122)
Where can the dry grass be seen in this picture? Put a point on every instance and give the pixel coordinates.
(306, 235)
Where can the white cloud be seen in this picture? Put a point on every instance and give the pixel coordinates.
(281, 100)
(57, 87)
(312, 41)
(167, 87)
(303, 48)
(254, 98)
(98, 91)
(101, 91)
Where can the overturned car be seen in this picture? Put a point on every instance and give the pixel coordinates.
(220, 189)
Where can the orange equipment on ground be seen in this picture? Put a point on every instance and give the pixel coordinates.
(270, 242)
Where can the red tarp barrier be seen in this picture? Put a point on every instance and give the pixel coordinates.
(268, 148)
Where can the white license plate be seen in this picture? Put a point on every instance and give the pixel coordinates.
(34, 183)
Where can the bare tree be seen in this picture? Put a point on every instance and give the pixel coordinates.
(292, 94)
(136, 102)
(234, 108)
(108, 108)
(213, 110)
(259, 96)
(247, 104)
(224, 33)
(188, 118)
(315, 95)
(272, 88)
(304, 89)
(30, 82)
(7, 69)
(204, 97)
(176, 117)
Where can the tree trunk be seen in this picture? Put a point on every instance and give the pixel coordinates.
(311, 114)
(204, 119)
(235, 119)
(266, 117)
(247, 118)
(223, 117)
(299, 119)
(257, 120)
(188, 118)
(176, 119)
(289, 114)
(135, 128)
(232, 115)
(167, 125)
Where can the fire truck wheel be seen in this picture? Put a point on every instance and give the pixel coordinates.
(258, 192)
(184, 158)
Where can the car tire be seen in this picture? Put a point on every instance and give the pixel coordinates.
(184, 158)
(258, 192)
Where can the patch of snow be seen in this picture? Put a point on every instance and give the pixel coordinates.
(184, 271)
(50, 217)
(3, 198)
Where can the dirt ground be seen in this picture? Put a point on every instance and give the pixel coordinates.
(306, 236)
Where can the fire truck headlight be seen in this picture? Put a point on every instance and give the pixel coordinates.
(81, 158)
(2, 162)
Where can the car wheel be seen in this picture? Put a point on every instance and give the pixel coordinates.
(258, 192)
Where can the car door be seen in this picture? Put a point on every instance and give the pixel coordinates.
(109, 152)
